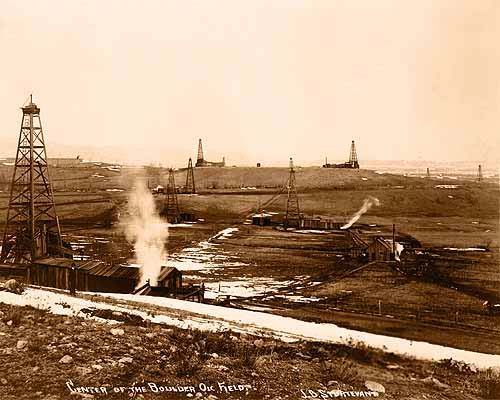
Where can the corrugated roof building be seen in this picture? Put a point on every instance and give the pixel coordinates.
(88, 275)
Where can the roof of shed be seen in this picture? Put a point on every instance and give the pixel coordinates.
(165, 272)
(92, 267)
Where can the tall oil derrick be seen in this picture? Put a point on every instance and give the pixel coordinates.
(171, 210)
(199, 159)
(292, 216)
(32, 228)
(353, 157)
(428, 175)
(479, 173)
(190, 186)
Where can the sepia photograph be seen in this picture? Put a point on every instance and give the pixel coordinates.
(249, 199)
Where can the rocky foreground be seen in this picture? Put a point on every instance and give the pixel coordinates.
(45, 356)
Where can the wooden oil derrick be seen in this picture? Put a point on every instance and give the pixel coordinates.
(292, 216)
(32, 228)
(190, 186)
(353, 157)
(479, 173)
(199, 159)
(171, 210)
(428, 175)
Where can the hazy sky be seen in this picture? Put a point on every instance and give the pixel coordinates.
(257, 80)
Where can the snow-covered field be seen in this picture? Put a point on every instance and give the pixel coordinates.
(215, 318)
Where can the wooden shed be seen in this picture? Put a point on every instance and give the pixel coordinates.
(380, 250)
(319, 223)
(358, 246)
(89, 275)
(170, 277)
(262, 219)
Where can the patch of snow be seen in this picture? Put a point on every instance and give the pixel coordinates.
(364, 179)
(310, 231)
(299, 299)
(446, 186)
(465, 249)
(213, 318)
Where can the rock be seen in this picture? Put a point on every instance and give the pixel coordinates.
(117, 331)
(97, 367)
(305, 357)
(125, 360)
(332, 383)
(198, 394)
(3, 381)
(212, 397)
(439, 384)
(13, 286)
(258, 343)
(315, 360)
(393, 366)
(21, 344)
(150, 335)
(9, 323)
(374, 387)
(67, 359)
(35, 369)
(84, 370)
(262, 360)
(214, 355)
(255, 374)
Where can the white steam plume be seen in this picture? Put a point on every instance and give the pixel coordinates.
(367, 204)
(148, 232)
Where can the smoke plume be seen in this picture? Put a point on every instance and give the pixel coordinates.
(148, 232)
(367, 204)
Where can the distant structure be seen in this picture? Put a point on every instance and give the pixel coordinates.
(32, 228)
(201, 162)
(292, 215)
(352, 163)
(171, 209)
(479, 173)
(190, 185)
(428, 173)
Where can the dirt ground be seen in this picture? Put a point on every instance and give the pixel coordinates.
(49, 357)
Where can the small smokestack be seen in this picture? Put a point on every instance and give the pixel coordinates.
(394, 240)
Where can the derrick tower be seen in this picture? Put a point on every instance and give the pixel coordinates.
(479, 173)
(32, 228)
(428, 175)
(353, 157)
(190, 186)
(171, 209)
(292, 216)
(199, 159)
